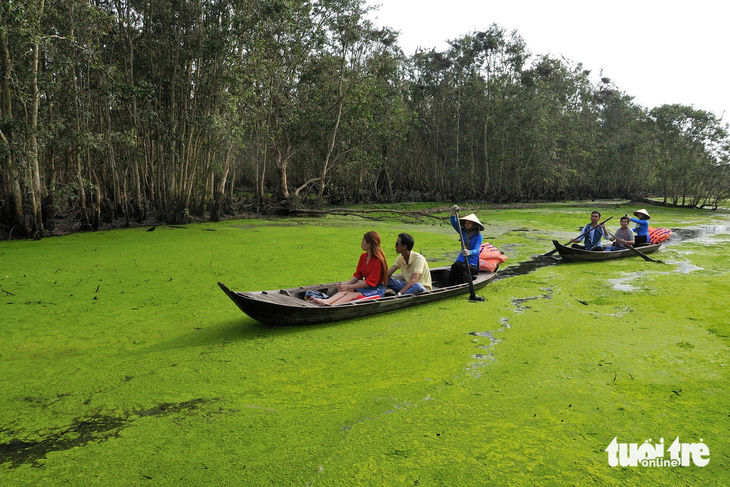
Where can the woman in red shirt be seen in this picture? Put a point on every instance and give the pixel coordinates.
(369, 277)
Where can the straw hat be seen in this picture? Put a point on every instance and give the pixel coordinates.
(642, 212)
(472, 218)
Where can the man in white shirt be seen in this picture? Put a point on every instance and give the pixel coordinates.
(413, 267)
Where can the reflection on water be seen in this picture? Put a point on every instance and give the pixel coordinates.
(630, 282)
(686, 267)
(701, 234)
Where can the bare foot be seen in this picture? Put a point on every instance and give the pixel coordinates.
(318, 301)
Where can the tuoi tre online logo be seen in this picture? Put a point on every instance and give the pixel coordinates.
(653, 455)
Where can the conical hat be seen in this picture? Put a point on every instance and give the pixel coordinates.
(472, 218)
(643, 212)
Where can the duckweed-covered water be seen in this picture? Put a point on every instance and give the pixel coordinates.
(124, 364)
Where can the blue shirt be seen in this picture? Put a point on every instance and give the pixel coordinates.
(592, 236)
(473, 245)
(642, 228)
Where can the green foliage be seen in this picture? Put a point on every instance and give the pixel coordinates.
(173, 105)
(691, 151)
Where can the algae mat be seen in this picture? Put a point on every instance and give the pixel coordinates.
(124, 364)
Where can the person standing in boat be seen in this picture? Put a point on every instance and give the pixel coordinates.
(642, 226)
(469, 228)
(623, 236)
(369, 277)
(413, 267)
(591, 234)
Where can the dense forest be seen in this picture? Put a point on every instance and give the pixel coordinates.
(136, 110)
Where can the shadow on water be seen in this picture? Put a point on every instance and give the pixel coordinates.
(84, 430)
(526, 267)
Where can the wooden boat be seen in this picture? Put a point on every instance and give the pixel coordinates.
(288, 307)
(569, 254)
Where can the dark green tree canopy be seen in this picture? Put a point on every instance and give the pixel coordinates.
(131, 110)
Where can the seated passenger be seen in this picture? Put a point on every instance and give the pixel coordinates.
(623, 236)
(369, 277)
(413, 267)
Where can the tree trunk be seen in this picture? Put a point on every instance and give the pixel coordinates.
(282, 161)
(217, 212)
(12, 212)
(36, 194)
(333, 139)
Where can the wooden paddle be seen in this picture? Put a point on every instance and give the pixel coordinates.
(642, 254)
(473, 295)
(579, 236)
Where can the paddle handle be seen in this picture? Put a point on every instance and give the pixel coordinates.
(466, 260)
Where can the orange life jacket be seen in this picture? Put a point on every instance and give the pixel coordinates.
(657, 235)
(490, 257)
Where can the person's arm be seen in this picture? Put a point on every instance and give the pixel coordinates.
(353, 283)
(604, 232)
(629, 239)
(476, 246)
(357, 278)
(583, 235)
(420, 267)
(642, 227)
(455, 224)
(391, 271)
(414, 279)
(357, 285)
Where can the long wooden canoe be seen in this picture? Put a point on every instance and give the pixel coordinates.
(288, 307)
(569, 254)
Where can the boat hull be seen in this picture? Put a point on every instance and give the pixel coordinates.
(569, 254)
(288, 307)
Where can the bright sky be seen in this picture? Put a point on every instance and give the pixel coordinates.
(659, 52)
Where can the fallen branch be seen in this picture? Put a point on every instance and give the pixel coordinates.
(372, 214)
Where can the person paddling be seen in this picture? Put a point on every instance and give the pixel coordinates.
(469, 228)
(592, 234)
(642, 226)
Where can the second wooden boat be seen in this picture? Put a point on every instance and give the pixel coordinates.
(569, 254)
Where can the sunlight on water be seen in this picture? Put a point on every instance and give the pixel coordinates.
(625, 283)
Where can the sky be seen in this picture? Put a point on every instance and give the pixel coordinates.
(659, 52)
